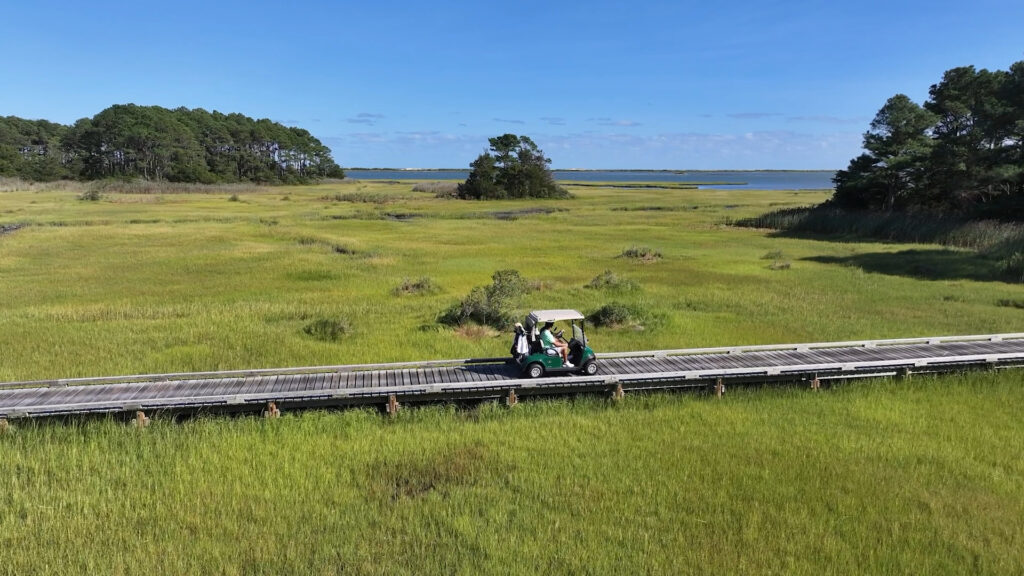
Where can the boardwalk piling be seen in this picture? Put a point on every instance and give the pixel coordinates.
(511, 400)
(141, 420)
(815, 384)
(719, 387)
(272, 411)
(4, 426)
(618, 394)
(392, 405)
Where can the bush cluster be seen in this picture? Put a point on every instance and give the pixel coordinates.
(424, 285)
(609, 280)
(641, 253)
(613, 315)
(489, 305)
(327, 329)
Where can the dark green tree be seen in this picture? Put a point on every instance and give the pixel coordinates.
(514, 167)
(894, 168)
(970, 131)
(150, 142)
(963, 152)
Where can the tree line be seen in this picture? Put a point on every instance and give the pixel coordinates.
(155, 143)
(961, 152)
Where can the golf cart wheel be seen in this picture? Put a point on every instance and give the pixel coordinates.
(590, 368)
(534, 370)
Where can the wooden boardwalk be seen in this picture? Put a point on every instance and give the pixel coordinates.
(455, 380)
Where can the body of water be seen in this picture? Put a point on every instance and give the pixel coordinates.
(728, 180)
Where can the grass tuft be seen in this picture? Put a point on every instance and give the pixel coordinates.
(422, 285)
(327, 329)
(611, 281)
(90, 195)
(641, 254)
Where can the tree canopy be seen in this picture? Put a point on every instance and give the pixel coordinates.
(155, 143)
(962, 151)
(514, 167)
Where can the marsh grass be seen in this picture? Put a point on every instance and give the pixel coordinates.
(182, 282)
(1000, 242)
(440, 189)
(915, 477)
(920, 477)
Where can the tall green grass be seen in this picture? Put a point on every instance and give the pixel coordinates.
(921, 477)
(1002, 242)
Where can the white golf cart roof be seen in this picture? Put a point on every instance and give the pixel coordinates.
(541, 316)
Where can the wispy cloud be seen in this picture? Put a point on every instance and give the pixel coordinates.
(613, 122)
(753, 115)
(365, 118)
(553, 120)
(828, 119)
(507, 121)
(779, 149)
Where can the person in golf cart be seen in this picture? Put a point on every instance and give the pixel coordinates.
(545, 351)
(549, 340)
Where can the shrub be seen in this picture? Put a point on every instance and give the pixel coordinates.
(422, 286)
(609, 280)
(90, 195)
(641, 253)
(327, 329)
(1019, 304)
(612, 315)
(489, 305)
(340, 249)
(1013, 266)
(233, 198)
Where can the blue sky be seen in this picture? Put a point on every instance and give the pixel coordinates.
(673, 85)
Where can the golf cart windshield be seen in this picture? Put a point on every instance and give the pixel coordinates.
(577, 332)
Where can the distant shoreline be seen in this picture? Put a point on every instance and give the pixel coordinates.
(639, 170)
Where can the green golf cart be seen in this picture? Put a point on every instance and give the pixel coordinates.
(535, 359)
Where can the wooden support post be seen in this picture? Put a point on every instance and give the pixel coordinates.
(815, 384)
(618, 394)
(392, 405)
(141, 420)
(4, 426)
(904, 374)
(719, 387)
(272, 411)
(511, 400)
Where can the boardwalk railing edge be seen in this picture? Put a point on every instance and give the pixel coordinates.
(64, 382)
(652, 380)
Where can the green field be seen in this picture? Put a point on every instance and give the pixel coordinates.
(919, 477)
(137, 283)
